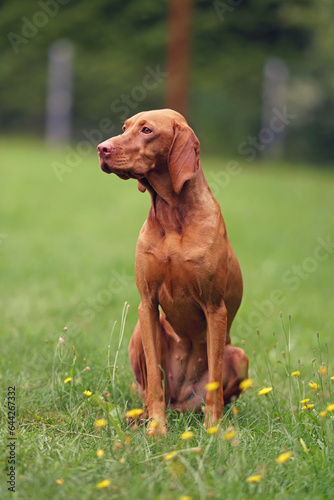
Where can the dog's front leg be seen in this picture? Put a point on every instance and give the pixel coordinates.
(216, 337)
(151, 337)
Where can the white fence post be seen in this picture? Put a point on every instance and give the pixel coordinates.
(275, 77)
(59, 93)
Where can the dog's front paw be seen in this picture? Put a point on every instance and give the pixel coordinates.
(157, 427)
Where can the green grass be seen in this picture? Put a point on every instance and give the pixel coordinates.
(67, 260)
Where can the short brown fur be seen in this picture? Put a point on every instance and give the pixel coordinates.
(187, 274)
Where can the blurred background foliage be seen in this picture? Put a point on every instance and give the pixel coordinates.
(115, 41)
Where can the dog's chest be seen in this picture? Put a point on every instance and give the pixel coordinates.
(174, 267)
(175, 253)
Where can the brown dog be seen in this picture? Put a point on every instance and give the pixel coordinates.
(187, 274)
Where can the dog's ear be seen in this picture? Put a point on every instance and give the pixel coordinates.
(183, 158)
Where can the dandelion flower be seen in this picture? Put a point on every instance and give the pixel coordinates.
(304, 401)
(314, 386)
(213, 430)
(170, 456)
(122, 460)
(87, 393)
(254, 479)
(187, 435)
(330, 407)
(100, 453)
(60, 481)
(332, 378)
(307, 407)
(134, 413)
(68, 379)
(213, 386)
(185, 497)
(153, 424)
(235, 411)
(295, 374)
(103, 484)
(246, 384)
(101, 422)
(323, 414)
(323, 370)
(283, 457)
(230, 433)
(264, 390)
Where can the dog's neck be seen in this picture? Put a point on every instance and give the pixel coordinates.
(170, 210)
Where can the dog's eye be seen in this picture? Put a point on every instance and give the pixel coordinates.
(124, 128)
(146, 130)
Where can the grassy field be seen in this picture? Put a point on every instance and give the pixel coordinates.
(67, 261)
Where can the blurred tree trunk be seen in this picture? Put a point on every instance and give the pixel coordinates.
(178, 54)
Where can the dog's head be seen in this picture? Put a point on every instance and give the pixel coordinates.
(159, 140)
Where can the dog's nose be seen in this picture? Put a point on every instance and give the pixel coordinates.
(105, 148)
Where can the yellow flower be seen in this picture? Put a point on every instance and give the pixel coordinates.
(307, 407)
(323, 370)
(230, 433)
(246, 384)
(264, 390)
(60, 481)
(185, 497)
(212, 430)
(254, 479)
(187, 435)
(314, 386)
(303, 401)
(122, 460)
(284, 457)
(323, 414)
(213, 386)
(100, 453)
(153, 424)
(68, 379)
(330, 407)
(235, 411)
(103, 484)
(134, 413)
(170, 456)
(87, 393)
(295, 374)
(101, 422)
(332, 378)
